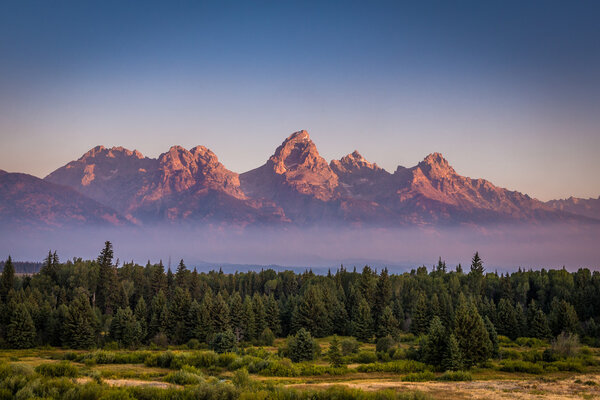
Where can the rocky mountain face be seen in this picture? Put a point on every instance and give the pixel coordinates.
(296, 186)
(33, 202)
(587, 207)
(180, 185)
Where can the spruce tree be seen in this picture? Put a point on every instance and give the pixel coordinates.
(220, 314)
(81, 323)
(248, 322)
(563, 317)
(310, 313)
(302, 346)
(471, 335)
(236, 314)
(434, 348)
(388, 324)
(363, 324)
(420, 316)
(382, 296)
(260, 316)
(538, 325)
(453, 359)
(141, 315)
(7, 280)
(507, 319)
(495, 349)
(20, 332)
(334, 354)
(272, 315)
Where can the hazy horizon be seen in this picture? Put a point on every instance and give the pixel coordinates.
(503, 247)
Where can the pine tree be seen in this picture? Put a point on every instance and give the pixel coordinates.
(310, 313)
(495, 349)
(434, 348)
(272, 315)
(563, 317)
(81, 323)
(125, 329)
(224, 342)
(7, 280)
(507, 319)
(453, 359)
(388, 324)
(420, 320)
(334, 354)
(107, 280)
(476, 274)
(178, 312)
(248, 322)
(220, 314)
(236, 315)
(141, 315)
(363, 324)
(20, 333)
(157, 317)
(538, 325)
(302, 346)
(471, 335)
(382, 296)
(181, 276)
(260, 316)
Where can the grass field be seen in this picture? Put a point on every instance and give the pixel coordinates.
(258, 372)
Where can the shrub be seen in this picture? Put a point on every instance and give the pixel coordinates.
(566, 345)
(302, 347)
(193, 344)
(184, 377)
(401, 366)
(349, 346)
(160, 340)
(365, 357)
(59, 369)
(224, 342)
(456, 376)
(419, 376)
(533, 356)
(510, 354)
(530, 342)
(385, 344)
(267, 338)
(241, 378)
(568, 365)
(283, 368)
(521, 366)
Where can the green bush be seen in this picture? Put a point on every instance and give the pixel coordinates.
(185, 376)
(419, 377)
(58, 369)
(365, 357)
(521, 366)
(510, 354)
(568, 365)
(400, 366)
(456, 376)
(533, 356)
(530, 342)
(349, 346)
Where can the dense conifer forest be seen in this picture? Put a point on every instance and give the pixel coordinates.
(83, 304)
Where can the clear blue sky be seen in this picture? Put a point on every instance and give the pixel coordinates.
(507, 91)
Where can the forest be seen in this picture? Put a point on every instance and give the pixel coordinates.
(432, 324)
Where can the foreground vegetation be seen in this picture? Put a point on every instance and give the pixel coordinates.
(101, 330)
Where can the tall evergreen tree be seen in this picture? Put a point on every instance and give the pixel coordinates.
(472, 337)
(7, 280)
(21, 332)
(81, 323)
(363, 324)
(434, 348)
(420, 316)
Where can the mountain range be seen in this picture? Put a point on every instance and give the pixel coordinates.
(296, 186)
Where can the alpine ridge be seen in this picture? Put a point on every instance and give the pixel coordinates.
(295, 186)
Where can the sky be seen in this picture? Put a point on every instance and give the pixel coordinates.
(507, 91)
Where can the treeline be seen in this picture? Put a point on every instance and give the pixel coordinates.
(85, 304)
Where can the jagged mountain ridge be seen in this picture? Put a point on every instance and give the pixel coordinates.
(296, 185)
(586, 207)
(29, 201)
